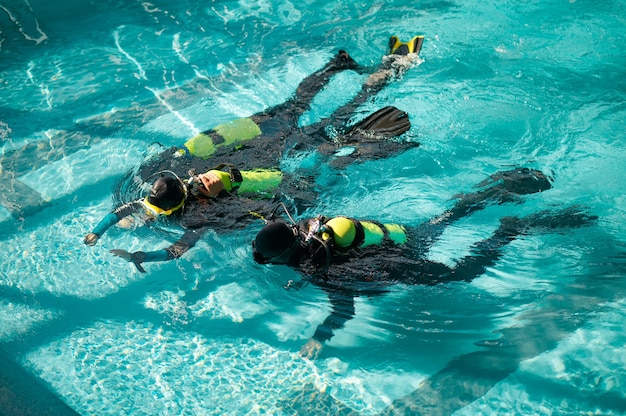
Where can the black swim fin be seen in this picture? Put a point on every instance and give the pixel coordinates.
(518, 181)
(388, 122)
(370, 139)
(397, 47)
(341, 61)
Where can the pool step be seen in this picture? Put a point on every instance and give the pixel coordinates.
(38, 174)
(18, 199)
(23, 394)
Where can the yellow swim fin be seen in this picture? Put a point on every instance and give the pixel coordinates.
(397, 47)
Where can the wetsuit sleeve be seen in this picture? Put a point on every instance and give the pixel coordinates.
(180, 247)
(114, 217)
(343, 310)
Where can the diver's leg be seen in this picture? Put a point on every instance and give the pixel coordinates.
(313, 84)
(487, 252)
(308, 89)
(333, 132)
(502, 187)
(392, 67)
(484, 254)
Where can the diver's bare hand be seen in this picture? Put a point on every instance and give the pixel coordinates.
(311, 349)
(212, 185)
(122, 253)
(136, 258)
(91, 239)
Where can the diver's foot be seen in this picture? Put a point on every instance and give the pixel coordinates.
(399, 64)
(342, 61)
(546, 221)
(393, 66)
(572, 217)
(506, 186)
(402, 56)
(521, 181)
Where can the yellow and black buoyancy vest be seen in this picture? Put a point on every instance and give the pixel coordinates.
(350, 233)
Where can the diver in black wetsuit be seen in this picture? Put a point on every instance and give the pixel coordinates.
(348, 257)
(220, 199)
(252, 143)
(261, 140)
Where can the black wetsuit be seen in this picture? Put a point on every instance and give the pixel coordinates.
(353, 271)
(280, 132)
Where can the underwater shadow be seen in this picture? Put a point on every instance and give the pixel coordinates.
(469, 377)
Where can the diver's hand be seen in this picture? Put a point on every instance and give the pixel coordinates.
(311, 349)
(90, 239)
(136, 258)
(212, 185)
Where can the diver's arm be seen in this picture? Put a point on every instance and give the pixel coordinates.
(110, 220)
(176, 250)
(184, 243)
(343, 310)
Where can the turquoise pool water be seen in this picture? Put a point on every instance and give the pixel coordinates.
(90, 89)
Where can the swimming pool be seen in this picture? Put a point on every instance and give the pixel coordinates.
(90, 89)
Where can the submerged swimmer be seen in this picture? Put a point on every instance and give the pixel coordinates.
(219, 199)
(262, 139)
(349, 257)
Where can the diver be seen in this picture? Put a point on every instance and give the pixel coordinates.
(220, 199)
(262, 139)
(348, 257)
